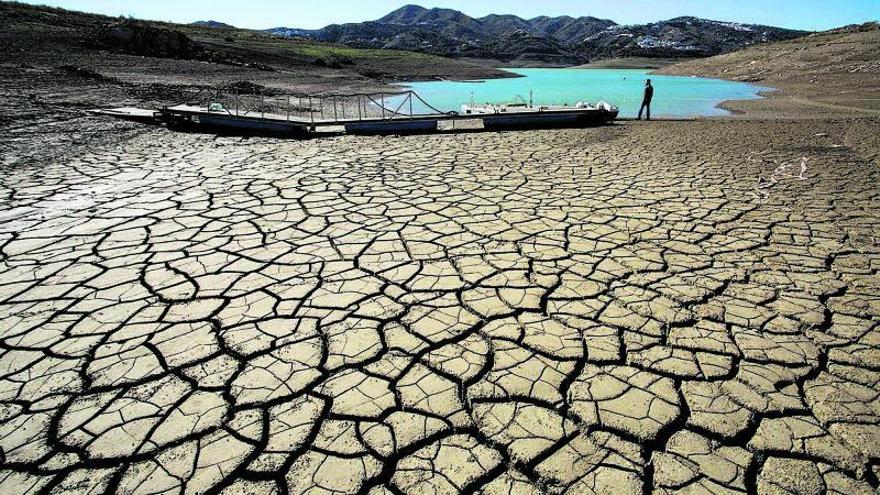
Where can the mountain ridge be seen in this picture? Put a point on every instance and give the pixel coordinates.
(555, 40)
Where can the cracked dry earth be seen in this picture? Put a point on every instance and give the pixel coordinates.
(639, 309)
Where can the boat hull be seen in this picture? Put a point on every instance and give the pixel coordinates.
(230, 124)
(548, 120)
(392, 127)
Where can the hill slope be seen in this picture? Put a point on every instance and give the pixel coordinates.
(839, 67)
(554, 40)
(135, 51)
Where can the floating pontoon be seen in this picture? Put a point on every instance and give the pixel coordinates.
(359, 114)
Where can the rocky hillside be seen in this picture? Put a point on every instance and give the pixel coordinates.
(554, 40)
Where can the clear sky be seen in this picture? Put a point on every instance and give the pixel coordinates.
(260, 14)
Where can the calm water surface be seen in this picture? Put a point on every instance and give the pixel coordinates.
(674, 96)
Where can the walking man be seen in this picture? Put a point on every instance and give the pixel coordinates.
(646, 102)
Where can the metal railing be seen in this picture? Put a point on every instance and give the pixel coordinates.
(322, 109)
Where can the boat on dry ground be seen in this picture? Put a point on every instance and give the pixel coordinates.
(305, 117)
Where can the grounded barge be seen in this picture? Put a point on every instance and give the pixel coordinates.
(362, 114)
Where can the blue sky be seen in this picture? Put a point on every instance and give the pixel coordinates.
(259, 14)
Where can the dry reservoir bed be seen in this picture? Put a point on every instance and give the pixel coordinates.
(636, 309)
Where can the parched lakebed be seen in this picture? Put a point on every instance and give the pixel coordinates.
(629, 309)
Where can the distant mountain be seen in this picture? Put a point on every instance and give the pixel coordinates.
(556, 40)
(680, 37)
(212, 24)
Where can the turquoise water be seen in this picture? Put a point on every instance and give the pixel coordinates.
(674, 96)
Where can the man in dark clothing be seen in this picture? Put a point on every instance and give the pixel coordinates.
(646, 102)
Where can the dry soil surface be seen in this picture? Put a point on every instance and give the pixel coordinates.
(688, 306)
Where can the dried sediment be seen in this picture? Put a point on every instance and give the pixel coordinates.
(635, 308)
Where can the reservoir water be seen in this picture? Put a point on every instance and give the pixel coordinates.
(674, 96)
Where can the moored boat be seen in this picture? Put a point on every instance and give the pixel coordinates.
(545, 116)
